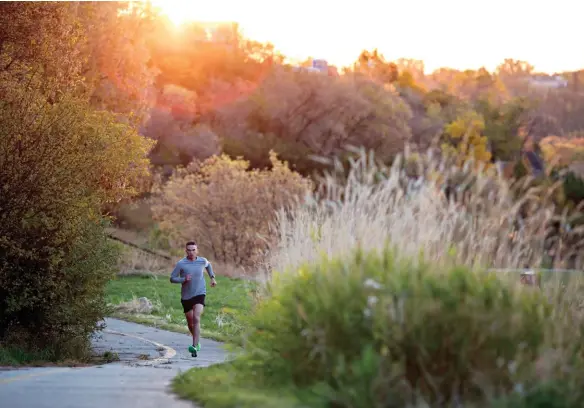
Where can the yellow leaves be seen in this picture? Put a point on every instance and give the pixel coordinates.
(466, 140)
(406, 80)
(119, 154)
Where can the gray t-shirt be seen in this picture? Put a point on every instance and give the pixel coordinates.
(196, 286)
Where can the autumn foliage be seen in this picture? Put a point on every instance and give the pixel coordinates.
(226, 206)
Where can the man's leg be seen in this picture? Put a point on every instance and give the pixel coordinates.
(189, 317)
(190, 322)
(197, 312)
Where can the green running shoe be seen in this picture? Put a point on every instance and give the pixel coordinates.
(193, 351)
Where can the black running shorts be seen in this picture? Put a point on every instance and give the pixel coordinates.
(188, 304)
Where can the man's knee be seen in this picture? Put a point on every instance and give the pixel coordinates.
(198, 310)
(196, 318)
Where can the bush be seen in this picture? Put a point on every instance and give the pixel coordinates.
(60, 164)
(226, 207)
(371, 329)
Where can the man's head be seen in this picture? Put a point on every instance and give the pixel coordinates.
(191, 250)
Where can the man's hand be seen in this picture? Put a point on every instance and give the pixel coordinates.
(188, 278)
(213, 282)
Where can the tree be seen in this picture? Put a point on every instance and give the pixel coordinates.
(300, 115)
(502, 126)
(118, 72)
(373, 65)
(479, 85)
(90, 48)
(564, 106)
(173, 124)
(41, 38)
(464, 138)
(61, 164)
(514, 69)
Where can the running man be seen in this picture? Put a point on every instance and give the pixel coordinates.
(189, 272)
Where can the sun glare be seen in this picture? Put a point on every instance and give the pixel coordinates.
(177, 12)
(181, 12)
(338, 32)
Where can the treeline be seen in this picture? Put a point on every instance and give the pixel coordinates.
(220, 97)
(239, 97)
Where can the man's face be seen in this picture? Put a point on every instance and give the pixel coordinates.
(191, 251)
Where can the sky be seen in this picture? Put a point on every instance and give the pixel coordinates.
(453, 33)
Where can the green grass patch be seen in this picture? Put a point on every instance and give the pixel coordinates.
(227, 304)
(11, 356)
(236, 384)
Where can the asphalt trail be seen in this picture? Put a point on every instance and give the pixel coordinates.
(149, 359)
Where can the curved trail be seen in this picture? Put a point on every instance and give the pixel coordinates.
(131, 382)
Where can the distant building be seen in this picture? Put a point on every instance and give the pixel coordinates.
(320, 66)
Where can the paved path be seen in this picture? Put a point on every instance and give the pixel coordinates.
(131, 382)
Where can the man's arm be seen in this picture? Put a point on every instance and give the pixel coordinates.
(175, 275)
(209, 269)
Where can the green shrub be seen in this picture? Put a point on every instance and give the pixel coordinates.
(375, 330)
(60, 164)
